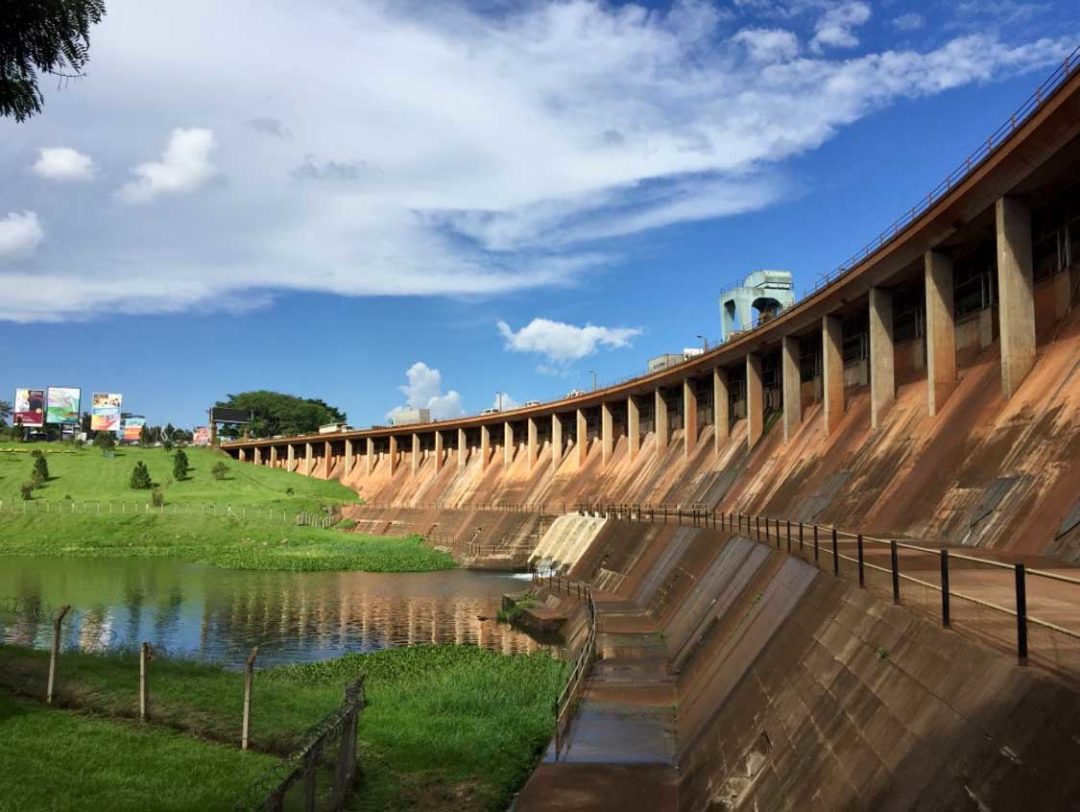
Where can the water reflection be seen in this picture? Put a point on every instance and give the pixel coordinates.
(218, 615)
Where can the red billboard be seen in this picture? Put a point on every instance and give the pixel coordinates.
(29, 407)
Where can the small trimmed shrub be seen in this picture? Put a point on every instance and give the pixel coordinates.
(105, 440)
(140, 477)
(157, 498)
(180, 466)
(220, 470)
(26, 491)
(41, 468)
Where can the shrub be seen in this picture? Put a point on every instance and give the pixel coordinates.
(180, 465)
(26, 491)
(220, 470)
(36, 453)
(105, 440)
(41, 468)
(140, 477)
(157, 498)
(167, 445)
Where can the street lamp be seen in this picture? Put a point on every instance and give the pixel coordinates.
(498, 400)
(704, 343)
(593, 373)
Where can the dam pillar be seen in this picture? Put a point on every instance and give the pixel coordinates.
(273, 456)
(582, 444)
(533, 448)
(721, 408)
(241, 454)
(290, 457)
(328, 458)
(415, 453)
(660, 422)
(369, 457)
(882, 355)
(633, 426)
(348, 455)
(789, 361)
(556, 441)
(690, 425)
(607, 432)
(258, 455)
(309, 458)
(393, 454)
(940, 330)
(508, 444)
(438, 451)
(755, 400)
(462, 448)
(1016, 301)
(832, 372)
(485, 445)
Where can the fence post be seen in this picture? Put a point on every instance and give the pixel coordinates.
(815, 545)
(249, 669)
(144, 688)
(55, 653)
(859, 548)
(1021, 616)
(757, 527)
(311, 773)
(894, 555)
(835, 554)
(788, 534)
(945, 588)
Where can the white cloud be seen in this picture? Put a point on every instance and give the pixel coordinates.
(19, 234)
(481, 154)
(184, 166)
(768, 44)
(424, 391)
(836, 27)
(63, 163)
(561, 342)
(911, 21)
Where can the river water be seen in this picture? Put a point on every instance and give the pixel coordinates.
(218, 615)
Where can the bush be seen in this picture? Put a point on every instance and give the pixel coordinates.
(140, 477)
(36, 453)
(220, 470)
(157, 498)
(167, 445)
(26, 491)
(105, 440)
(180, 465)
(41, 468)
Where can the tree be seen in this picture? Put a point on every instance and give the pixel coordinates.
(47, 36)
(220, 470)
(41, 469)
(140, 477)
(105, 440)
(278, 413)
(180, 465)
(5, 412)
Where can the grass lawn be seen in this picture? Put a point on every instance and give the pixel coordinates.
(110, 519)
(446, 727)
(59, 760)
(86, 475)
(221, 542)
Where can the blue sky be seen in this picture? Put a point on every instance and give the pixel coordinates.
(491, 197)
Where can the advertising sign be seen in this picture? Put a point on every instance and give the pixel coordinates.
(133, 427)
(105, 411)
(62, 404)
(29, 407)
(201, 436)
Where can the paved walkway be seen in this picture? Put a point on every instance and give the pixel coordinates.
(620, 749)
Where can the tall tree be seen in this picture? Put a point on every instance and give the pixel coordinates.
(278, 413)
(46, 36)
(5, 412)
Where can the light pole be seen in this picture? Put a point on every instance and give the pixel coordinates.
(498, 400)
(704, 343)
(593, 373)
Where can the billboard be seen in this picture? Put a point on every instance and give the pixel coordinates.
(29, 407)
(133, 427)
(223, 414)
(105, 411)
(201, 436)
(62, 404)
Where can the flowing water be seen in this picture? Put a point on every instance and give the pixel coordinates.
(218, 615)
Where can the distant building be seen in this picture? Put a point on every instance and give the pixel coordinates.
(407, 417)
(767, 292)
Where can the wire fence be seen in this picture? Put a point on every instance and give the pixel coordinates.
(326, 517)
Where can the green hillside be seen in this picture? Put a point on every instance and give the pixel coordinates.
(86, 474)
